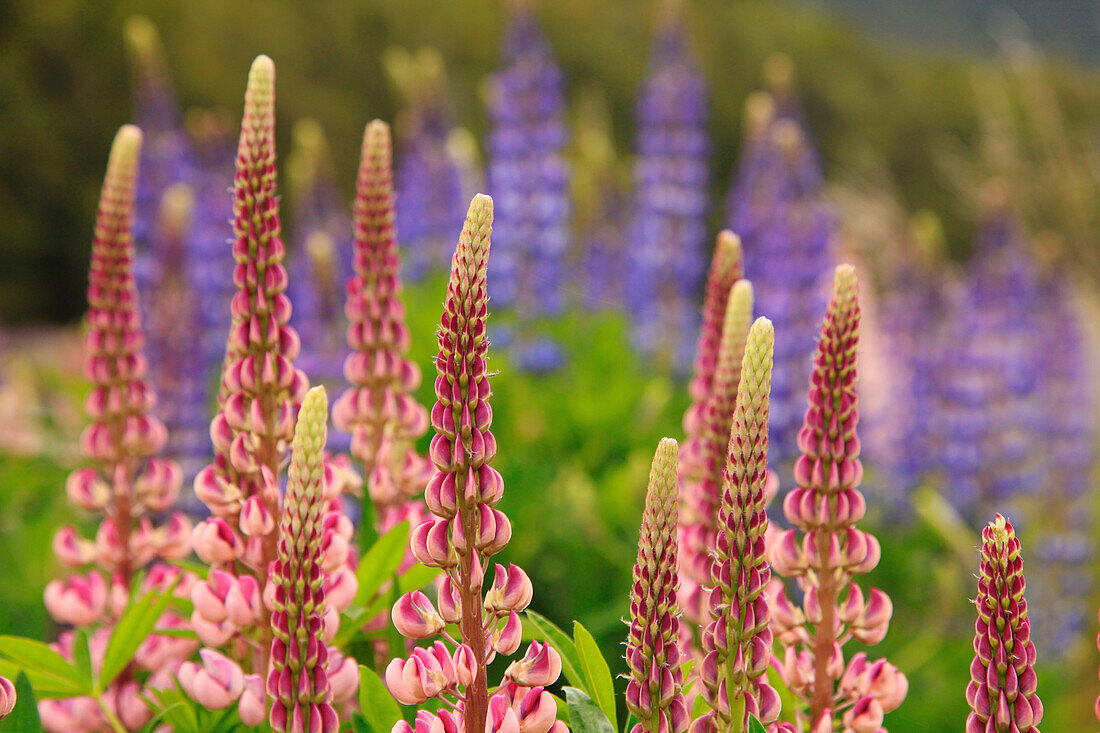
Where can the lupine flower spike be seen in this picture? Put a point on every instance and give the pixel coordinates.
(703, 494)
(738, 640)
(126, 482)
(654, 688)
(260, 391)
(298, 680)
(378, 410)
(826, 550)
(468, 530)
(1002, 690)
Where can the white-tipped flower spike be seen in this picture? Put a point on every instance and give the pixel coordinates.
(298, 680)
(654, 690)
(467, 531)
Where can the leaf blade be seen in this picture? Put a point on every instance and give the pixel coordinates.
(377, 705)
(596, 671)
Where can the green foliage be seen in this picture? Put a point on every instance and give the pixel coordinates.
(596, 673)
(24, 718)
(585, 716)
(49, 672)
(134, 627)
(379, 710)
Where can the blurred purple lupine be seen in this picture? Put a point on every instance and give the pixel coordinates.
(528, 175)
(180, 246)
(992, 415)
(320, 262)
(1064, 547)
(776, 207)
(913, 326)
(667, 253)
(431, 180)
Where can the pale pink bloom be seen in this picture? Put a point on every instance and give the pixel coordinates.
(216, 684)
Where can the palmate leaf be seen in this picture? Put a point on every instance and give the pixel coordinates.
(596, 673)
(49, 673)
(134, 627)
(584, 715)
(380, 562)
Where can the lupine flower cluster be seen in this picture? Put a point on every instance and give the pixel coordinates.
(992, 411)
(527, 168)
(738, 640)
(430, 176)
(467, 531)
(825, 550)
(1003, 687)
(776, 207)
(241, 607)
(378, 410)
(666, 258)
(654, 689)
(320, 259)
(126, 482)
(727, 312)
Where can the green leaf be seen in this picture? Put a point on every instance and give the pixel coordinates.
(82, 657)
(359, 724)
(755, 726)
(137, 622)
(584, 715)
(416, 578)
(49, 672)
(545, 629)
(631, 720)
(379, 708)
(24, 717)
(595, 670)
(380, 562)
(700, 707)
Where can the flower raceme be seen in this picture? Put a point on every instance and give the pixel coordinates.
(468, 530)
(1002, 690)
(825, 550)
(378, 409)
(654, 689)
(738, 640)
(243, 605)
(126, 482)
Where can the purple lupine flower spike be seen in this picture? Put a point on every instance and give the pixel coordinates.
(430, 178)
(992, 411)
(776, 207)
(1063, 543)
(826, 551)
(667, 252)
(1003, 687)
(379, 410)
(738, 640)
(298, 681)
(654, 689)
(528, 171)
(183, 386)
(320, 261)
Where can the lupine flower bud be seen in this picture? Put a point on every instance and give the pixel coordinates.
(738, 639)
(705, 454)
(1003, 688)
(7, 697)
(298, 679)
(77, 600)
(415, 617)
(539, 667)
(379, 411)
(654, 689)
(215, 684)
(253, 704)
(825, 550)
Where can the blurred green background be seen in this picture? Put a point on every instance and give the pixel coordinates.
(901, 128)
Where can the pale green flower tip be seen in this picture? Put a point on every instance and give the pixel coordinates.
(663, 473)
(727, 250)
(376, 135)
(761, 338)
(740, 302)
(314, 407)
(262, 72)
(845, 282)
(125, 151)
(481, 209)
(142, 39)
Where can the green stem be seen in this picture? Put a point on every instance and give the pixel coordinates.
(112, 718)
